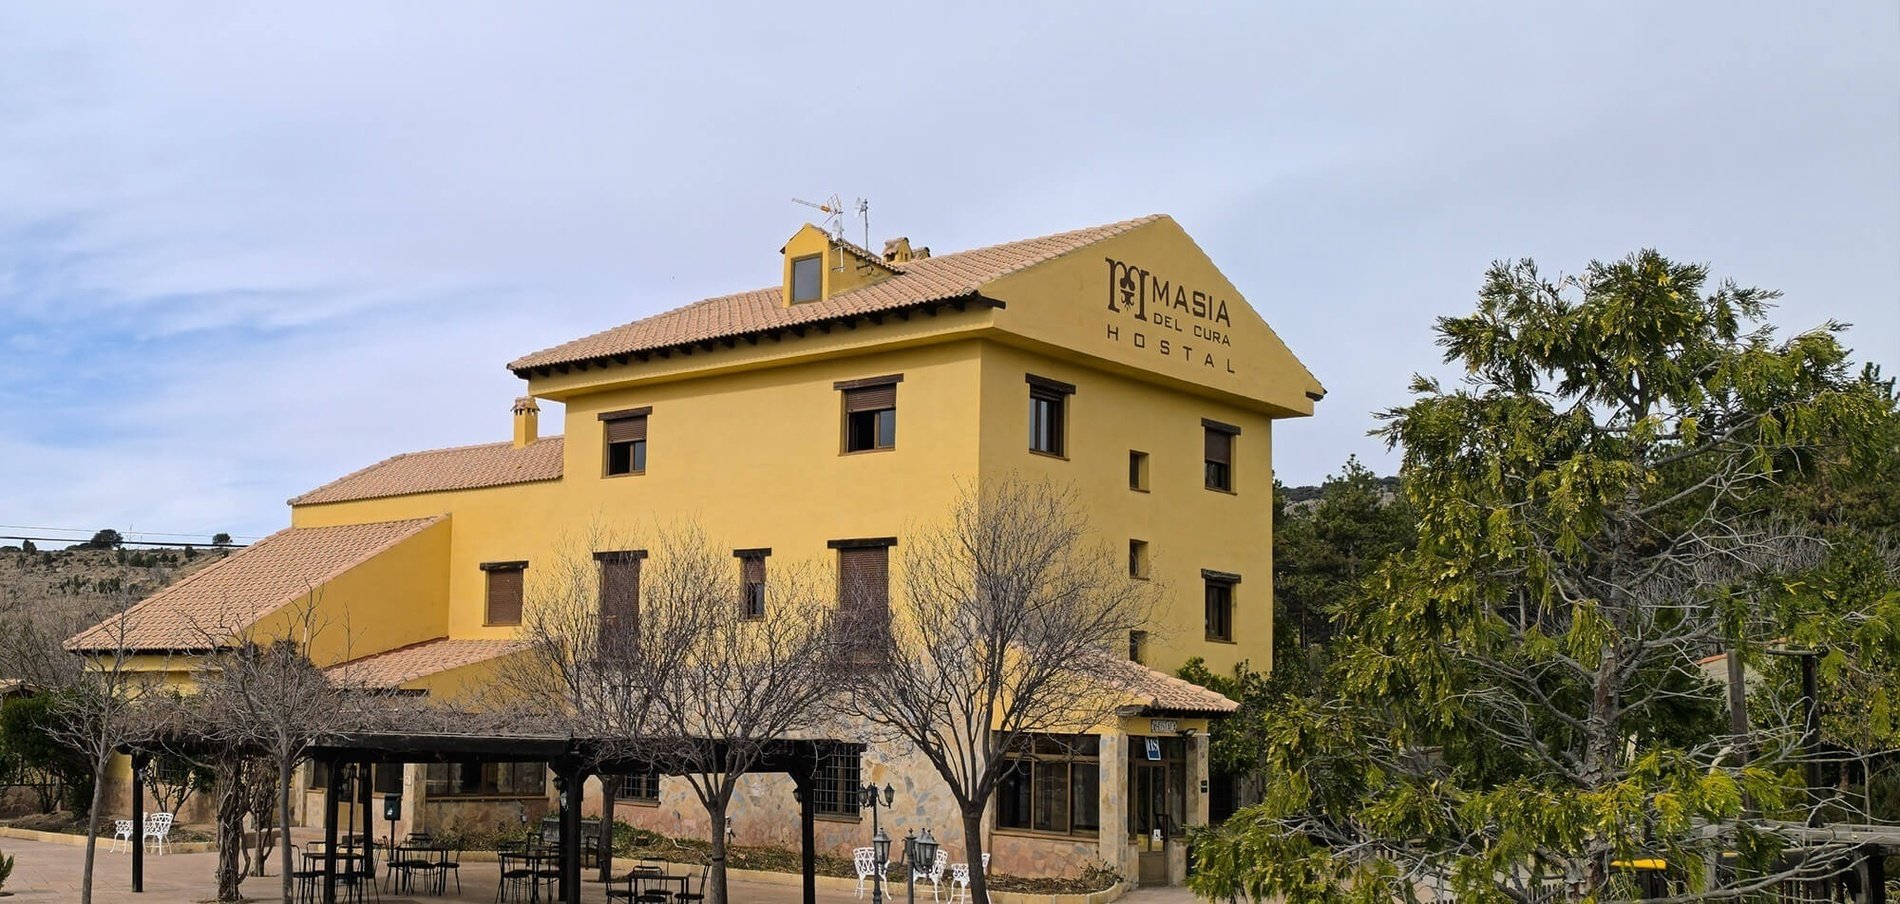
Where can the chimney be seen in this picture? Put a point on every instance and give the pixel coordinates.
(527, 422)
(897, 250)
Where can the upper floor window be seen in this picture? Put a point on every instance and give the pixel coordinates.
(503, 592)
(1048, 411)
(870, 412)
(1138, 471)
(808, 278)
(619, 599)
(1218, 593)
(1138, 647)
(864, 590)
(1137, 558)
(1220, 454)
(751, 582)
(625, 433)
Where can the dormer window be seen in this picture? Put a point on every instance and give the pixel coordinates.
(807, 278)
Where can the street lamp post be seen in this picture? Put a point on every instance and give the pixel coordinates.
(868, 796)
(917, 849)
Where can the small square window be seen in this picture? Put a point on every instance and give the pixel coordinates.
(1138, 471)
(807, 278)
(1138, 558)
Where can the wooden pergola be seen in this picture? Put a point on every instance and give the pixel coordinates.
(571, 759)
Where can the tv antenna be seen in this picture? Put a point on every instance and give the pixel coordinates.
(833, 209)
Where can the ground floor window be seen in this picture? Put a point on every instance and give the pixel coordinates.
(640, 787)
(836, 782)
(1053, 785)
(487, 779)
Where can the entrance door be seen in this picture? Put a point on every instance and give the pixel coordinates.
(1156, 798)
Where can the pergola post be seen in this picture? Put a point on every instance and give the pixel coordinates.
(568, 777)
(807, 827)
(609, 789)
(364, 773)
(332, 782)
(139, 761)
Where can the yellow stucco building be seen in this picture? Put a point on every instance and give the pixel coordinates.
(840, 406)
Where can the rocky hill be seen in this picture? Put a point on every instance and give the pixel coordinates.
(79, 586)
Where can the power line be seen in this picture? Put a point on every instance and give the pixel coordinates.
(143, 533)
(163, 544)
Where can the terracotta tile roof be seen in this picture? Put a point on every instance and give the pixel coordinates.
(1163, 692)
(460, 468)
(394, 668)
(918, 281)
(234, 594)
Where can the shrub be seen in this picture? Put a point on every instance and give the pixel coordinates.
(6, 868)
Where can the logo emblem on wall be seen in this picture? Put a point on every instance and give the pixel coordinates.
(1169, 307)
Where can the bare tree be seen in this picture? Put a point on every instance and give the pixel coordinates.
(263, 697)
(1009, 624)
(656, 661)
(106, 701)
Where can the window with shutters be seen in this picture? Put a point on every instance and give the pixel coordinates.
(1220, 454)
(864, 601)
(870, 413)
(504, 592)
(1048, 415)
(625, 434)
(1219, 596)
(619, 601)
(751, 582)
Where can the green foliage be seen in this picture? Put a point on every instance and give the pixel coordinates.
(1633, 474)
(105, 539)
(27, 726)
(6, 868)
(220, 539)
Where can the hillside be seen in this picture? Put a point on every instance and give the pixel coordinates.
(76, 587)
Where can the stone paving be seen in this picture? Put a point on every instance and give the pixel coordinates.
(50, 872)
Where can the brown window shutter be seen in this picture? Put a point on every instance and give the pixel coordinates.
(1220, 447)
(871, 398)
(626, 430)
(619, 595)
(504, 596)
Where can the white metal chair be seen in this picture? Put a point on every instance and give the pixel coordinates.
(864, 861)
(158, 828)
(960, 879)
(933, 875)
(121, 834)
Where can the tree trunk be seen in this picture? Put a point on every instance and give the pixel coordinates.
(716, 880)
(973, 853)
(232, 805)
(92, 826)
(285, 766)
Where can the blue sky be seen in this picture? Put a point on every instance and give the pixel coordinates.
(245, 249)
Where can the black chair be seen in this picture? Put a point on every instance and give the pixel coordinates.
(687, 895)
(307, 875)
(517, 873)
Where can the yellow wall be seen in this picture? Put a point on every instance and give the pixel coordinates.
(1188, 527)
(394, 599)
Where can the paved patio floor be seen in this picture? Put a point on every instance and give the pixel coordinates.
(50, 872)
